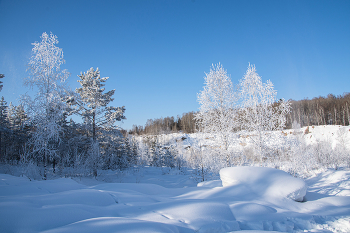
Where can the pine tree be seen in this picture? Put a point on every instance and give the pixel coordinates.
(3, 123)
(93, 102)
(10, 115)
(1, 76)
(18, 132)
(20, 117)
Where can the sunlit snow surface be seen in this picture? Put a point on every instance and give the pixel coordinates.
(259, 204)
(265, 181)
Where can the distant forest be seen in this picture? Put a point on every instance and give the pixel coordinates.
(184, 123)
(330, 110)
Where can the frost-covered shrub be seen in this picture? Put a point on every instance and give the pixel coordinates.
(290, 151)
(32, 171)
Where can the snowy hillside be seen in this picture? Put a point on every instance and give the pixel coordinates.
(300, 151)
(333, 134)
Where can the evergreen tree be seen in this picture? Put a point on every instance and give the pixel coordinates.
(10, 115)
(3, 123)
(1, 76)
(92, 102)
(18, 132)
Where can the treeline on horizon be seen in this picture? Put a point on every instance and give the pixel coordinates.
(330, 110)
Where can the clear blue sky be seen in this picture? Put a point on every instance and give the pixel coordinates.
(156, 52)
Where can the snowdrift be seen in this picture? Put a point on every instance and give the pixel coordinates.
(265, 181)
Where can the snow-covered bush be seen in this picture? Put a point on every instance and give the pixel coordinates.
(289, 150)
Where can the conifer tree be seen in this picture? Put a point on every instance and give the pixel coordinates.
(3, 122)
(1, 76)
(17, 132)
(93, 102)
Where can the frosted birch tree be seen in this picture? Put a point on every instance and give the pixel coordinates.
(218, 101)
(260, 110)
(46, 75)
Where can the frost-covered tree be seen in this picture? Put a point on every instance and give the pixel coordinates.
(93, 102)
(1, 76)
(10, 115)
(260, 112)
(16, 134)
(218, 101)
(3, 112)
(47, 108)
(3, 122)
(20, 117)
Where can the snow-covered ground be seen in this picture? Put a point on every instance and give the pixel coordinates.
(154, 200)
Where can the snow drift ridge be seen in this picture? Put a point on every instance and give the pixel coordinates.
(265, 181)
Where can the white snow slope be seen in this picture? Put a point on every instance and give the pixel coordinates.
(65, 205)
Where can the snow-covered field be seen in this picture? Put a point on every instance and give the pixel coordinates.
(254, 200)
(155, 199)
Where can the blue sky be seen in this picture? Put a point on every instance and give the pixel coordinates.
(156, 53)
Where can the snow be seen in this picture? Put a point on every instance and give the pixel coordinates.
(248, 199)
(151, 199)
(265, 181)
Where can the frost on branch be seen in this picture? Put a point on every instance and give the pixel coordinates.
(44, 65)
(47, 108)
(260, 111)
(92, 102)
(217, 112)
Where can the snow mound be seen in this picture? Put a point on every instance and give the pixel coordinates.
(265, 181)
